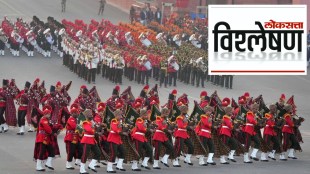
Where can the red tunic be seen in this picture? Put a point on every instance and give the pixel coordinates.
(226, 126)
(89, 133)
(250, 123)
(204, 127)
(22, 97)
(44, 131)
(182, 125)
(138, 133)
(289, 125)
(159, 134)
(116, 129)
(269, 130)
(71, 135)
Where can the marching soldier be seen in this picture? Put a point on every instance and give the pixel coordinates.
(288, 133)
(270, 134)
(88, 143)
(101, 127)
(203, 130)
(116, 144)
(226, 135)
(48, 41)
(43, 141)
(92, 63)
(22, 101)
(163, 73)
(173, 67)
(72, 138)
(119, 65)
(200, 74)
(160, 139)
(182, 137)
(140, 141)
(251, 135)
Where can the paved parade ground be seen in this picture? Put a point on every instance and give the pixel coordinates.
(16, 152)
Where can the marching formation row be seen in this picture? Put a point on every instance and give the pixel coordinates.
(137, 51)
(129, 128)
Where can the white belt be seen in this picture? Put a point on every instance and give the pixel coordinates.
(112, 132)
(140, 133)
(182, 129)
(249, 124)
(267, 125)
(225, 127)
(23, 105)
(86, 135)
(287, 125)
(160, 131)
(205, 130)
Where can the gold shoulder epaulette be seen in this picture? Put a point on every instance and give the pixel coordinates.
(139, 119)
(203, 116)
(226, 116)
(287, 115)
(180, 117)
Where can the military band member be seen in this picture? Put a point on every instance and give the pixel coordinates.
(251, 135)
(200, 73)
(182, 137)
(88, 143)
(270, 135)
(16, 40)
(22, 101)
(163, 73)
(93, 60)
(101, 127)
(144, 71)
(226, 135)
(203, 130)
(44, 149)
(173, 67)
(48, 41)
(140, 141)
(72, 138)
(115, 142)
(289, 137)
(119, 64)
(160, 139)
(60, 37)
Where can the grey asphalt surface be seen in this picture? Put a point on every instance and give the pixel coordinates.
(16, 152)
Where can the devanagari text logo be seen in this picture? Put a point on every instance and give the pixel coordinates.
(257, 40)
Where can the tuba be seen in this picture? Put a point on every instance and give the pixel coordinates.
(203, 67)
